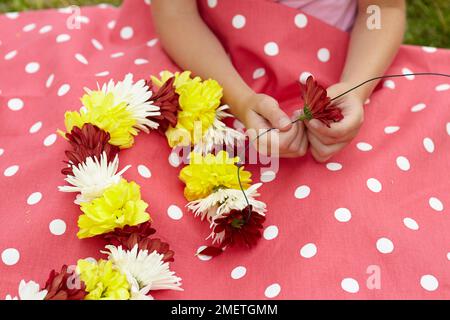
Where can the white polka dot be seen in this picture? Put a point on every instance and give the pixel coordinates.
(384, 245)
(82, 59)
(410, 223)
(391, 129)
(63, 90)
(49, 81)
(302, 192)
(97, 45)
(406, 71)
(10, 256)
(308, 250)
(273, 290)
(443, 87)
(429, 49)
(29, 27)
(152, 42)
(268, 176)
(389, 84)
(429, 282)
(144, 171)
(212, 3)
(2, 151)
(10, 171)
(436, 204)
(45, 29)
(447, 127)
(50, 139)
(334, 166)
(201, 256)
(238, 21)
(34, 198)
(364, 146)
(10, 55)
(15, 104)
(102, 74)
(428, 144)
(270, 233)
(82, 19)
(148, 2)
(111, 24)
(126, 33)
(36, 127)
(117, 55)
(418, 107)
(271, 49)
(57, 227)
(174, 212)
(238, 272)
(300, 20)
(350, 285)
(174, 159)
(374, 185)
(32, 67)
(62, 38)
(342, 214)
(139, 62)
(12, 15)
(448, 256)
(323, 55)
(403, 163)
(259, 73)
(304, 76)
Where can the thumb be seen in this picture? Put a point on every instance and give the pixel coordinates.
(269, 109)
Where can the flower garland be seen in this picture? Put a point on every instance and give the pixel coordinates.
(189, 112)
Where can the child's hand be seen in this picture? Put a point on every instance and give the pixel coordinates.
(326, 142)
(262, 112)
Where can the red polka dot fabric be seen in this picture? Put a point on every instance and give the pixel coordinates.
(373, 223)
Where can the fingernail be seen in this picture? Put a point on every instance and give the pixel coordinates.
(313, 124)
(284, 122)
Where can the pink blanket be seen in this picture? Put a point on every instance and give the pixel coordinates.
(373, 223)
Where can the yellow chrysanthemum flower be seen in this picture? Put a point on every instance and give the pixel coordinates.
(180, 79)
(102, 281)
(206, 174)
(120, 205)
(101, 111)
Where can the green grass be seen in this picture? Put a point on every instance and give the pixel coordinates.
(428, 20)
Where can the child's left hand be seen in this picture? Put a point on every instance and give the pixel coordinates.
(326, 142)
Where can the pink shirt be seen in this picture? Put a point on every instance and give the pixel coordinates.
(339, 13)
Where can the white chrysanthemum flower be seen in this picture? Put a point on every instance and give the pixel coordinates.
(225, 200)
(145, 271)
(29, 291)
(92, 177)
(136, 96)
(219, 134)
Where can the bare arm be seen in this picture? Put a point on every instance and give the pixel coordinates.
(192, 45)
(369, 55)
(371, 51)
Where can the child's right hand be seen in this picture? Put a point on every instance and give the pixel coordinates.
(261, 112)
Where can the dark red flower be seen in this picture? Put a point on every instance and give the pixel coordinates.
(88, 141)
(239, 226)
(317, 105)
(129, 236)
(58, 285)
(167, 100)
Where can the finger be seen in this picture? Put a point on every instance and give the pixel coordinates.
(269, 109)
(329, 137)
(323, 152)
(290, 140)
(352, 121)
